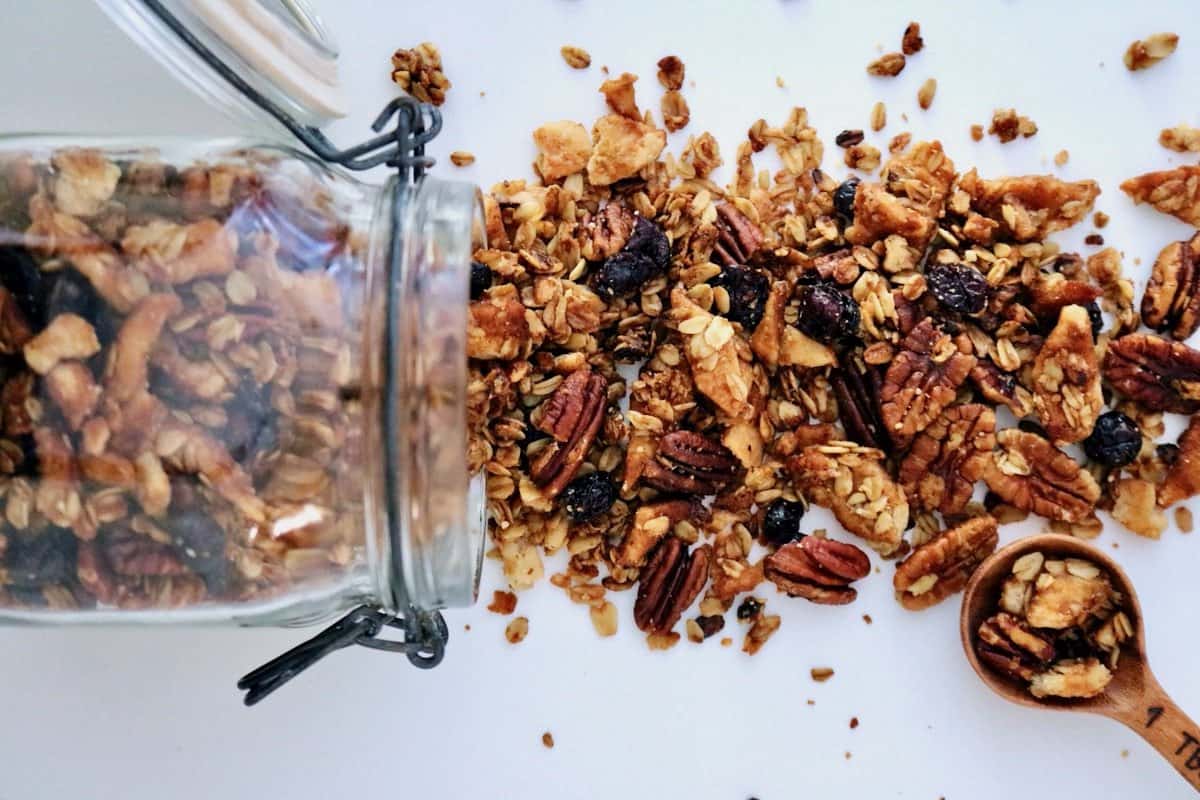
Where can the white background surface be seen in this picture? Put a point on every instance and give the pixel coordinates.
(153, 713)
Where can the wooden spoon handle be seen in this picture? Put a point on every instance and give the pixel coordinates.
(1168, 730)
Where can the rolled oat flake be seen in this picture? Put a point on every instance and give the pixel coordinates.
(234, 377)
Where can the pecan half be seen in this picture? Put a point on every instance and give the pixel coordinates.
(690, 463)
(1002, 388)
(857, 387)
(1171, 191)
(572, 417)
(1160, 374)
(1066, 378)
(1172, 300)
(942, 566)
(819, 570)
(610, 231)
(1034, 475)
(1009, 646)
(651, 522)
(1183, 478)
(671, 580)
(922, 381)
(850, 481)
(738, 238)
(946, 459)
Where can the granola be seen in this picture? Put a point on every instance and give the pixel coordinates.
(1171, 191)
(1143, 53)
(419, 72)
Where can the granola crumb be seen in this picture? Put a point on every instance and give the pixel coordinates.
(867, 619)
(671, 72)
(878, 116)
(1183, 519)
(726, 641)
(926, 92)
(462, 158)
(1094, 239)
(662, 641)
(1007, 125)
(576, 57)
(467, 628)
(1181, 139)
(517, 630)
(848, 755)
(821, 674)
(675, 111)
(502, 603)
(1100, 219)
(888, 65)
(911, 42)
(548, 740)
(899, 142)
(1124, 754)
(419, 72)
(1147, 52)
(1061, 158)
(863, 157)
(853, 723)
(977, 133)
(779, 82)
(604, 618)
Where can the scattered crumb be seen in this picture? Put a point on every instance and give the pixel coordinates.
(848, 138)
(604, 69)
(1061, 158)
(1008, 125)
(419, 72)
(911, 42)
(548, 740)
(779, 82)
(899, 142)
(848, 756)
(517, 630)
(862, 156)
(1147, 52)
(853, 723)
(867, 619)
(462, 158)
(502, 602)
(1181, 139)
(604, 618)
(675, 111)
(467, 628)
(1183, 519)
(904, 116)
(878, 116)
(576, 57)
(662, 641)
(726, 641)
(670, 72)
(1099, 219)
(482, 93)
(810, 702)
(888, 65)
(764, 628)
(821, 674)
(1116, 546)
(694, 633)
(926, 92)
(977, 133)
(1094, 239)
(1124, 754)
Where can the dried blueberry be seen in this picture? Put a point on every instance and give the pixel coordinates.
(481, 279)
(647, 239)
(589, 496)
(1115, 441)
(747, 290)
(251, 426)
(200, 542)
(843, 198)
(19, 274)
(1097, 320)
(70, 292)
(827, 314)
(749, 608)
(623, 274)
(958, 287)
(38, 559)
(781, 521)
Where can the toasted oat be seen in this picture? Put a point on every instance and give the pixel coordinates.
(548, 740)
(864, 157)
(1007, 125)
(887, 66)
(1183, 519)
(1061, 158)
(977, 133)
(899, 143)
(462, 158)
(675, 111)
(878, 116)
(821, 674)
(1143, 53)
(671, 73)
(1181, 139)
(576, 57)
(926, 92)
(619, 94)
(419, 72)
(516, 631)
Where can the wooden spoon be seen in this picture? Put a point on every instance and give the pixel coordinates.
(1134, 696)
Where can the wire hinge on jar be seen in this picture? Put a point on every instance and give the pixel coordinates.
(425, 636)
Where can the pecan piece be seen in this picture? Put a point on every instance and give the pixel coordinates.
(942, 566)
(1160, 374)
(1008, 645)
(946, 459)
(1183, 477)
(819, 570)
(850, 481)
(610, 231)
(1002, 388)
(671, 580)
(922, 381)
(1032, 474)
(1171, 191)
(134, 555)
(690, 463)
(651, 522)
(1172, 300)
(572, 417)
(737, 237)
(1053, 292)
(856, 387)
(780, 344)
(1066, 378)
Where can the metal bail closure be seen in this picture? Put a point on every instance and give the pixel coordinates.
(424, 642)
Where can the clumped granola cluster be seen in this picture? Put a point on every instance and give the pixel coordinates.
(798, 340)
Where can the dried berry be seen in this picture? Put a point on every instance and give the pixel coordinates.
(781, 521)
(747, 290)
(589, 496)
(648, 240)
(749, 609)
(1115, 441)
(34, 560)
(843, 198)
(252, 425)
(481, 279)
(623, 274)
(21, 276)
(201, 544)
(958, 287)
(1096, 318)
(827, 314)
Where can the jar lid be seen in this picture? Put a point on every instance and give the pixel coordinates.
(279, 47)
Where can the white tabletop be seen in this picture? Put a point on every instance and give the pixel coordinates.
(153, 714)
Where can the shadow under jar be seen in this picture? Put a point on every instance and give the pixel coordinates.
(224, 395)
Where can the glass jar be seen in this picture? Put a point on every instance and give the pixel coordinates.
(233, 376)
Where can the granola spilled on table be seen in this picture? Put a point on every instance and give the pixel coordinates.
(789, 339)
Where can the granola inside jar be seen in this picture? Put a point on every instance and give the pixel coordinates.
(225, 391)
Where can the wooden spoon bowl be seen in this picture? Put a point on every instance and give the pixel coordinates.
(1133, 697)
